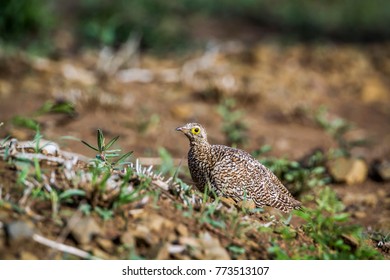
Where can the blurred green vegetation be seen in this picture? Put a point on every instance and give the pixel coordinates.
(27, 23)
(167, 25)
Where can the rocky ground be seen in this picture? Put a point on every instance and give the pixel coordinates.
(298, 99)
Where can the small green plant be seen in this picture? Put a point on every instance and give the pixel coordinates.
(57, 107)
(37, 140)
(105, 155)
(333, 236)
(105, 214)
(236, 250)
(297, 176)
(27, 22)
(26, 122)
(277, 252)
(233, 126)
(49, 107)
(3, 141)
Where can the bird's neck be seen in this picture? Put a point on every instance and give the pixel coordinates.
(200, 146)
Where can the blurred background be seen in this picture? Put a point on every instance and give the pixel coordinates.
(282, 79)
(141, 68)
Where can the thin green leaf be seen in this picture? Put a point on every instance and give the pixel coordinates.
(92, 147)
(72, 192)
(112, 151)
(341, 217)
(5, 140)
(303, 215)
(105, 214)
(112, 155)
(100, 140)
(236, 249)
(124, 157)
(113, 140)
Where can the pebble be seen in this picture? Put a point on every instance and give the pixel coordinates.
(380, 170)
(212, 248)
(349, 170)
(105, 244)
(182, 230)
(127, 238)
(19, 231)
(84, 230)
(246, 204)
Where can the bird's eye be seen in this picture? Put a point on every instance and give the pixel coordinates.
(195, 130)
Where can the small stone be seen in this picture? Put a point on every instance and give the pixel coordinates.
(105, 244)
(349, 170)
(19, 231)
(189, 241)
(163, 253)
(137, 213)
(143, 233)
(50, 149)
(84, 230)
(176, 249)
(127, 238)
(246, 204)
(158, 223)
(380, 170)
(182, 230)
(212, 248)
(358, 172)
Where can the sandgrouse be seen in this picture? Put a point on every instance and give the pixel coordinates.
(233, 173)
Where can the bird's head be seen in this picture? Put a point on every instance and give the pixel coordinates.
(194, 132)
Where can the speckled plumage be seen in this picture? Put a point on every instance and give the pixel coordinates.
(233, 173)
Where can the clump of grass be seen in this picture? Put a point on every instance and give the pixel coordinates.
(329, 228)
(49, 107)
(333, 236)
(298, 176)
(233, 125)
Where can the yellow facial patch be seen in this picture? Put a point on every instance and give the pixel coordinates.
(195, 130)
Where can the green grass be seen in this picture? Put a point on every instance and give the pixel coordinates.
(49, 107)
(335, 238)
(106, 157)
